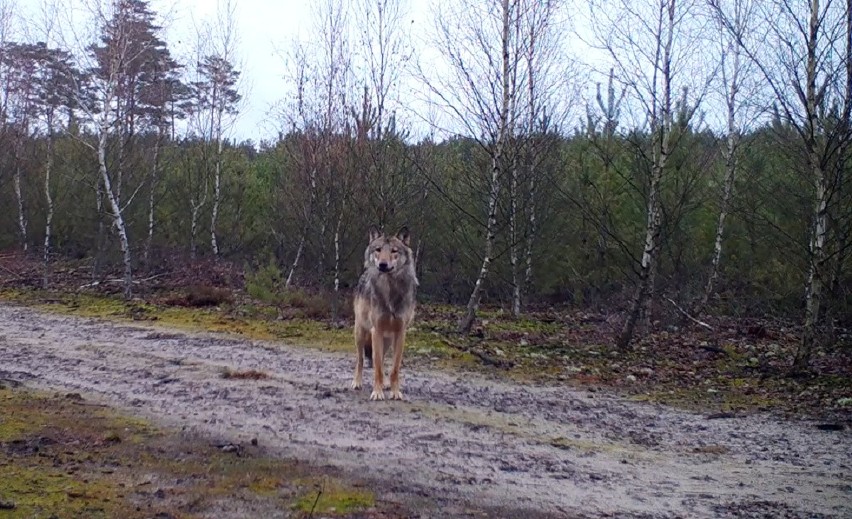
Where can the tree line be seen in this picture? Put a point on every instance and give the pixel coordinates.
(525, 191)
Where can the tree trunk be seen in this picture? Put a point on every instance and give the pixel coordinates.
(497, 159)
(513, 245)
(732, 144)
(153, 189)
(639, 305)
(336, 305)
(646, 314)
(531, 234)
(117, 216)
(193, 227)
(813, 290)
(101, 238)
(466, 322)
(22, 217)
(217, 192)
(819, 228)
(727, 195)
(49, 200)
(295, 264)
(19, 195)
(660, 125)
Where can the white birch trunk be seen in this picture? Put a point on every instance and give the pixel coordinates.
(337, 264)
(532, 225)
(99, 205)
(497, 163)
(295, 265)
(513, 247)
(727, 195)
(217, 188)
(22, 217)
(194, 207)
(116, 212)
(819, 228)
(814, 286)
(661, 126)
(49, 201)
(731, 149)
(153, 189)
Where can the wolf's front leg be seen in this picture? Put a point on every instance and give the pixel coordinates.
(378, 354)
(362, 342)
(398, 346)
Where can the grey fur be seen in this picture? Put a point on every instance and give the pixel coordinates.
(392, 292)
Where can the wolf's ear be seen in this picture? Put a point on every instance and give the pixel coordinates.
(404, 236)
(374, 232)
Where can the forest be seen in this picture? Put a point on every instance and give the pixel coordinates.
(703, 169)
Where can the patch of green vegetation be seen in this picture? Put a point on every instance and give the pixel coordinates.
(329, 498)
(717, 397)
(523, 325)
(16, 419)
(41, 492)
(429, 344)
(44, 449)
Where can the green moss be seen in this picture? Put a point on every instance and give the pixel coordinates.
(330, 498)
(264, 485)
(17, 419)
(41, 492)
(723, 399)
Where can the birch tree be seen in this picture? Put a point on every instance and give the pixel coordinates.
(478, 92)
(650, 42)
(546, 71)
(54, 81)
(738, 92)
(127, 44)
(335, 55)
(318, 117)
(217, 96)
(163, 99)
(298, 118)
(808, 68)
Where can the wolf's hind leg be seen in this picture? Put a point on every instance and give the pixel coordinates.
(368, 351)
(387, 344)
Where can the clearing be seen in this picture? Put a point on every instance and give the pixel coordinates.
(461, 444)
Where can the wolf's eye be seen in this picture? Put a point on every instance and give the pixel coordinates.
(394, 251)
(378, 249)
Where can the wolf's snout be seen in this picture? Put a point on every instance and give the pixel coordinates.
(384, 267)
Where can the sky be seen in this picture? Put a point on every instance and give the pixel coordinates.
(265, 32)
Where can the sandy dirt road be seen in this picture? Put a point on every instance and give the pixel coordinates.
(459, 445)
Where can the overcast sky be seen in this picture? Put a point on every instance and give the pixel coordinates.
(265, 31)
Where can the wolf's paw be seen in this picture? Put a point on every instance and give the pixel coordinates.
(396, 394)
(377, 394)
(355, 384)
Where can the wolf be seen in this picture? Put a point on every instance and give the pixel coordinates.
(384, 303)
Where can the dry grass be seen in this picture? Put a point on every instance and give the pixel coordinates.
(251, 374)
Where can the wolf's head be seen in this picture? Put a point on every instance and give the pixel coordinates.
(386, 253)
